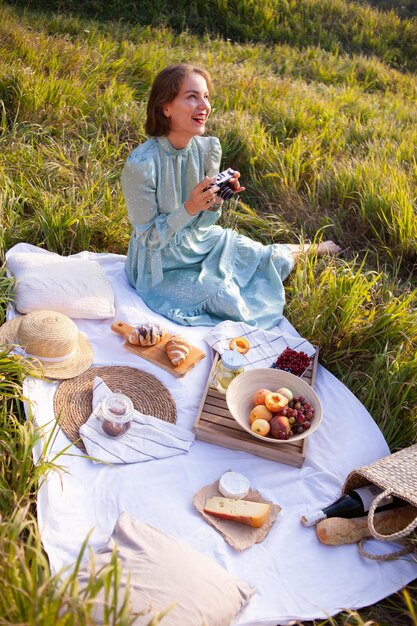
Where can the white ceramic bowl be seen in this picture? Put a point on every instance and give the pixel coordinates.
(239, 398)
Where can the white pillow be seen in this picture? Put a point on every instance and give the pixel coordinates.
(77, 288)
(161, 572)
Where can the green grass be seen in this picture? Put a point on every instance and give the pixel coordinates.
(332, 25)
(314, 103)
(407, 8)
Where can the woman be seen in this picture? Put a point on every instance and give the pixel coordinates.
(180, 261)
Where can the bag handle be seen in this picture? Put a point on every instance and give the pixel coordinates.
(382, 557)
(401, 534)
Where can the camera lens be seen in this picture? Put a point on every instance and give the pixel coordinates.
(226, 193)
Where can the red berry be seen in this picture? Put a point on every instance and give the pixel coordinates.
(292, 361)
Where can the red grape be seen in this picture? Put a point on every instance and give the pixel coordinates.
(292, 361)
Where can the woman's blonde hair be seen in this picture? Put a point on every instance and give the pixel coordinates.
(165, 89)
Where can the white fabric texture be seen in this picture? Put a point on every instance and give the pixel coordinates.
(265, 345)
(166, 572)
(77, 287)
(296, 577)
(147, 439)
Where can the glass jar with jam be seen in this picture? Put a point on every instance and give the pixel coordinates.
(230, 365)
(115, 413)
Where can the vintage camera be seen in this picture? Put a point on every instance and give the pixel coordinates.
(222, 181)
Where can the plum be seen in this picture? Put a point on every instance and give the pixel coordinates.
(280, 427)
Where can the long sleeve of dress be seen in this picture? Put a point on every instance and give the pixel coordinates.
(154, 229)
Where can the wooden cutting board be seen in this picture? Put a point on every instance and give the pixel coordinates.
(157, 354)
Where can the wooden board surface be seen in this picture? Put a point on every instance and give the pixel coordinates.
(215, 424)
(157, 354)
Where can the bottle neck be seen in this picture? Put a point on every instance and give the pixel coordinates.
(356, 503)
(314, 518)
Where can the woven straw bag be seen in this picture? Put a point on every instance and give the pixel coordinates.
(396, 474)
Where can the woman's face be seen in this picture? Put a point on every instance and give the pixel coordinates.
(189, 110)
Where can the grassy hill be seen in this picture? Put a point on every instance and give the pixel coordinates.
(403, 8)
(315, 103)
(332, 25)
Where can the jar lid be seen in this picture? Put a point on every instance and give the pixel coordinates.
(232, 359)
(117, 408)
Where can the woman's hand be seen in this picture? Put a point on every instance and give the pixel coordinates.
(235, 184)
(202, 196)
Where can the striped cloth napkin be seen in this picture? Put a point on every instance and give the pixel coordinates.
(265, 345)
(148, 437)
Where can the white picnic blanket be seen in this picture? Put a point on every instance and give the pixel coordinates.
(295, 576)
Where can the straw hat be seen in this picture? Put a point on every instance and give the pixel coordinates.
(52, 339)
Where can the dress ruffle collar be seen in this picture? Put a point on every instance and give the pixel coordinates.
(169, 148)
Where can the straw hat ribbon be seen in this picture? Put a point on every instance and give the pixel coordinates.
(51, 338)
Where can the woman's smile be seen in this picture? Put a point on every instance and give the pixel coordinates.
(199, 118)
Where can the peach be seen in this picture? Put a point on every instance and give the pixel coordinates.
(260, 427)
(260, 412)
(275, 401)
(280, 427)
(284, 391)
(241, 344)
(259, 397)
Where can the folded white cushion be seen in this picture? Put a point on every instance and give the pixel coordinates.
(77, 288)
(165, 574)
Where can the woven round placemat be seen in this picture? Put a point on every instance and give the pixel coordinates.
(74, 397)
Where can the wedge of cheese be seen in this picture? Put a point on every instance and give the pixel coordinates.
(245, 512)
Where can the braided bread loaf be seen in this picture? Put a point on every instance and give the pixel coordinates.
(146, 334)
(177, 349)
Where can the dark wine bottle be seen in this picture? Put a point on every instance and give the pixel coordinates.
(355, 503)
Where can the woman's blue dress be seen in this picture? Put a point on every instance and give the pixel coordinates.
(188, 268)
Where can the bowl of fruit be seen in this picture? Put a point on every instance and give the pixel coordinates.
(274, 405)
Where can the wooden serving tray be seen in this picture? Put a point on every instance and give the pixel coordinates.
(157, 354)
(215, 424)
